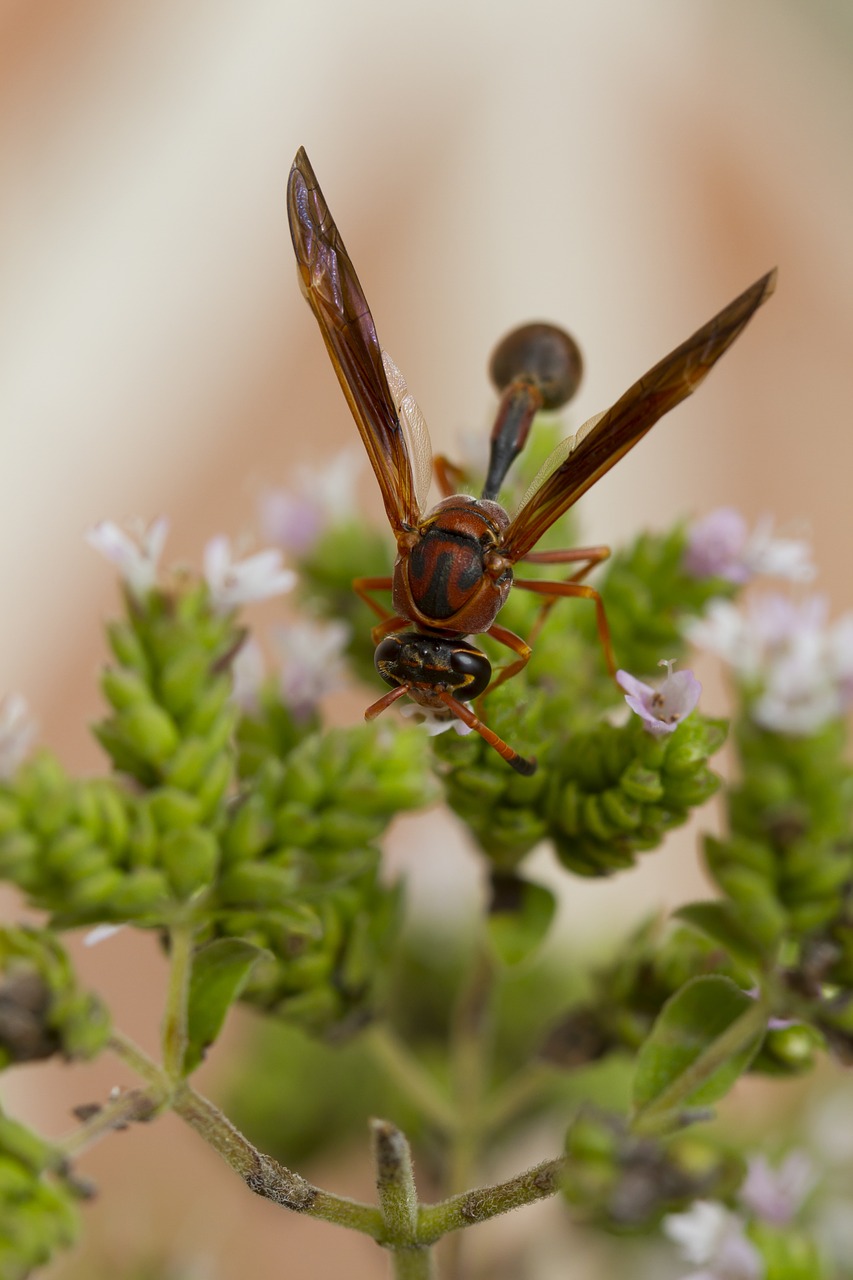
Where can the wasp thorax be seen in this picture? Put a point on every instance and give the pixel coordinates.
(443, 582)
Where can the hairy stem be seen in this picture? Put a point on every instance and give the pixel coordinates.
(464, 1210)
(266, 1177)
(177, 997)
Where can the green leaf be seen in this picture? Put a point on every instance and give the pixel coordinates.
(520, 917)
(703, 1040)
(220, 971)
(744, 935)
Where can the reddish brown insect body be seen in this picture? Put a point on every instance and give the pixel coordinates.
(454, 566)
(453, 577)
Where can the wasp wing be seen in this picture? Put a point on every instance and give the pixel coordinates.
(329, 282)
(414, 428)
(600, 443)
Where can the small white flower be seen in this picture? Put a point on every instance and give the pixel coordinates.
(661, 709)
(712, 1237)
(776, 1195)
(295, 518)
(771, 557)
(135, 554)
(312, 664)
(435, 720)
(248, 672)
(18, 730)
(801, 669)
(721, 546)
(237, 582)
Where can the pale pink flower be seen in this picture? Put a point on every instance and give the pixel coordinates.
(295, 518)
(136, 554)
(720, 545)
(776, 1194)
(663, 708)
(311, 658)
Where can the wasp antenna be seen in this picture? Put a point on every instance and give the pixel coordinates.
(382, 704)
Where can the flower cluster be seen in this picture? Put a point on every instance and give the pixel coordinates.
(739, 1244)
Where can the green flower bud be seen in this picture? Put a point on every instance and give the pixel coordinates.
(257, 884)
(124, 688)
(149, 732)
(129, 649)
(141, 893)
(171, 809)
(249, 831)
(190, 857)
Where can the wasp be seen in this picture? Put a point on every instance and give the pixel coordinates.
(455, 562)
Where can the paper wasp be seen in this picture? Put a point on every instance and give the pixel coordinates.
(454, 565)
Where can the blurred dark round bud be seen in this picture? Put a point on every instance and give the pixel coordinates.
(544, 354)
(25, 1001)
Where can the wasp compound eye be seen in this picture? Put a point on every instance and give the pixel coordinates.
(474, 668)
(387, 659)
(543, 353)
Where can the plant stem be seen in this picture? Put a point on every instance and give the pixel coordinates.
(408, 1074)
(412, 1264)
(136, 1058)
(175, 1015)
(470, 1046)
(266, 1177)
(522, 1089)
(464, 1210)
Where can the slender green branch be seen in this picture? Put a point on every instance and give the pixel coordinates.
(470, 1056)
(181, 937)
(464, 1210)
(136, 1058)
(266, 1177)
(659, 1113)
(408, 1074)
(522, 1089)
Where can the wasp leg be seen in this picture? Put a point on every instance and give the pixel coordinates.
(449, 478)
(519, 646)
(589, 557)
(363, 588)
(382, 704)
(466, 715)
(576, 589)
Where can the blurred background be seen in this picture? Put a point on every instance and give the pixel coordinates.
(622, 168)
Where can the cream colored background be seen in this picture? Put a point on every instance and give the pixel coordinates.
(623, 167)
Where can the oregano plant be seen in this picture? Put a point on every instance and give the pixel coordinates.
(237, 828)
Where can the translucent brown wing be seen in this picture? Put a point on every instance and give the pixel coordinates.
(579, 462)
(329, 282)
